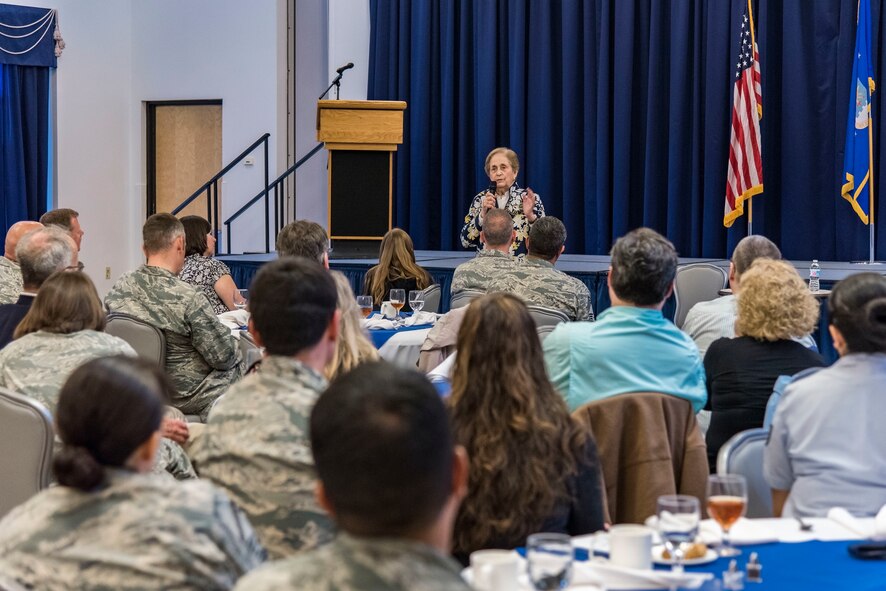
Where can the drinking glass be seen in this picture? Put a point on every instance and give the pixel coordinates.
(727, 501)
(549, 561)
(398, 300)
(678, 518)
(416, 300)
(241, 298)
(365, 304)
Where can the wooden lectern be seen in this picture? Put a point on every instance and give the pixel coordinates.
(361, 137)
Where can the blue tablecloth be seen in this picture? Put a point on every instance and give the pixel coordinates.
(381, 336)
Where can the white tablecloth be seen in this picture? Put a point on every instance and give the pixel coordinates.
(403, 348)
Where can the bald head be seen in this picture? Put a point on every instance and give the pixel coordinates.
(498, 230)
(15, 234)
(42, 253)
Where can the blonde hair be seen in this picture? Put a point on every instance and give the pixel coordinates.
(508, 153)
(774, 303)
(353, 346)
(396, 260)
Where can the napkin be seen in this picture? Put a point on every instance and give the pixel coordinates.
(617, 577)
(744, 532)
(378, 322)
(235, 320)
(877, 531)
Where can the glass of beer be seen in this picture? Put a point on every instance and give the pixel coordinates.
(398, 300)
(364, 302)
(727, 501)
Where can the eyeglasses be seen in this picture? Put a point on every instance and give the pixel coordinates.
(78, 267)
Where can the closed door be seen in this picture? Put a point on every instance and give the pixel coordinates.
(186, 152)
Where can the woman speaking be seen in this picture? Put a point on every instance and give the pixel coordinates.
(524, 206)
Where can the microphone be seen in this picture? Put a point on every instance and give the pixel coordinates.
(347, 66)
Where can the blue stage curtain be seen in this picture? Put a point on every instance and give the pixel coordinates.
(620, 113)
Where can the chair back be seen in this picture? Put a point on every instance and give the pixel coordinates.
(743, 454)
(26, 437)
(432, 298)
(696, 283)
(546, 316)
(464, 297)
(147, 340)
(649, 445)
(545, 330)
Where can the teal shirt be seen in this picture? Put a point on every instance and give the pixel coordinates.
(626, 350)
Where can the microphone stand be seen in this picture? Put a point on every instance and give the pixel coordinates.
(336, 83)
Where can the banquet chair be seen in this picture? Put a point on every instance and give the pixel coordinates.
(432, 298)
(545, 330)
(546, 316)
(26, 436)
(649, 445)
(464, 297)
(743, 454)
(696, 283)
(147, 340)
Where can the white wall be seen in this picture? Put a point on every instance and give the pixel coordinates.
(349, 42)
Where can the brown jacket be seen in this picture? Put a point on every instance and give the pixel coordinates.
(441, 339)
(649, 445)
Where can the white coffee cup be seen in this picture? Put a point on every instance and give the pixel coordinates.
(388, 310)
(630, 546)
(494, 570)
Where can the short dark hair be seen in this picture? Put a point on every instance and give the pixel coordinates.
(292, 301)
(644, 264)
(857, 307)
(106, 409)
(196, 230)
(546, 237)
(383, 450)
(303, 238)
(43, 252)
(159, 232)
(749, 249)
(497, 227)
(59, 217)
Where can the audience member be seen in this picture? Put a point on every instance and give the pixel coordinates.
(708, 321)
(538, 282)
(392, 479)
(68, 220)
(532, 467)
(40, 254)
(63, 330)
(202, 357)
(396, 269)
(632, 347)
(110, 524)
(304, 238)
(10, 273)
(202, 270)
(774, 306)
(496, 236)
(255, 444)
(353, 347)
(827, 446)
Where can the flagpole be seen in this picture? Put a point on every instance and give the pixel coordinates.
(871, 177)
(753, 51)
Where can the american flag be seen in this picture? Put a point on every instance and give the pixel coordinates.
(745, 176)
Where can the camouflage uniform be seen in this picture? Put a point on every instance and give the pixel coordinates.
(255, 446)
(10, 281)
(38, 364)
(351, 563)
(539, 283)
(479, 271)
(202, 357)
(140, 531)
(470, 233)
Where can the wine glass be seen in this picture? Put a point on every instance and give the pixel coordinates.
(416, 300)
(549, 561)
(398, 300)
(678, 519)
(241, 298)
(727, 501)
(364, 302)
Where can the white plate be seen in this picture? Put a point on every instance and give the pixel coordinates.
(709, 556)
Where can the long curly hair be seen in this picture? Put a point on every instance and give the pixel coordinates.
(396, 260)
(521, 440)
(774, 303)
(353, 347)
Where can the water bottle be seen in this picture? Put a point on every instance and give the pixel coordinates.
(814, 275)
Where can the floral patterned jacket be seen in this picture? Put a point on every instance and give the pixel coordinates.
(470, 233)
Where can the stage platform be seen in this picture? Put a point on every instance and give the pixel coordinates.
(590, 269)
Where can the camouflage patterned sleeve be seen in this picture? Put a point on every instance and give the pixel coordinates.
(585, 311)
(470, 233)
(210, 337)
(235, 535)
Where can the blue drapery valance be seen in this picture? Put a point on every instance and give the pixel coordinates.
(29, 36)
